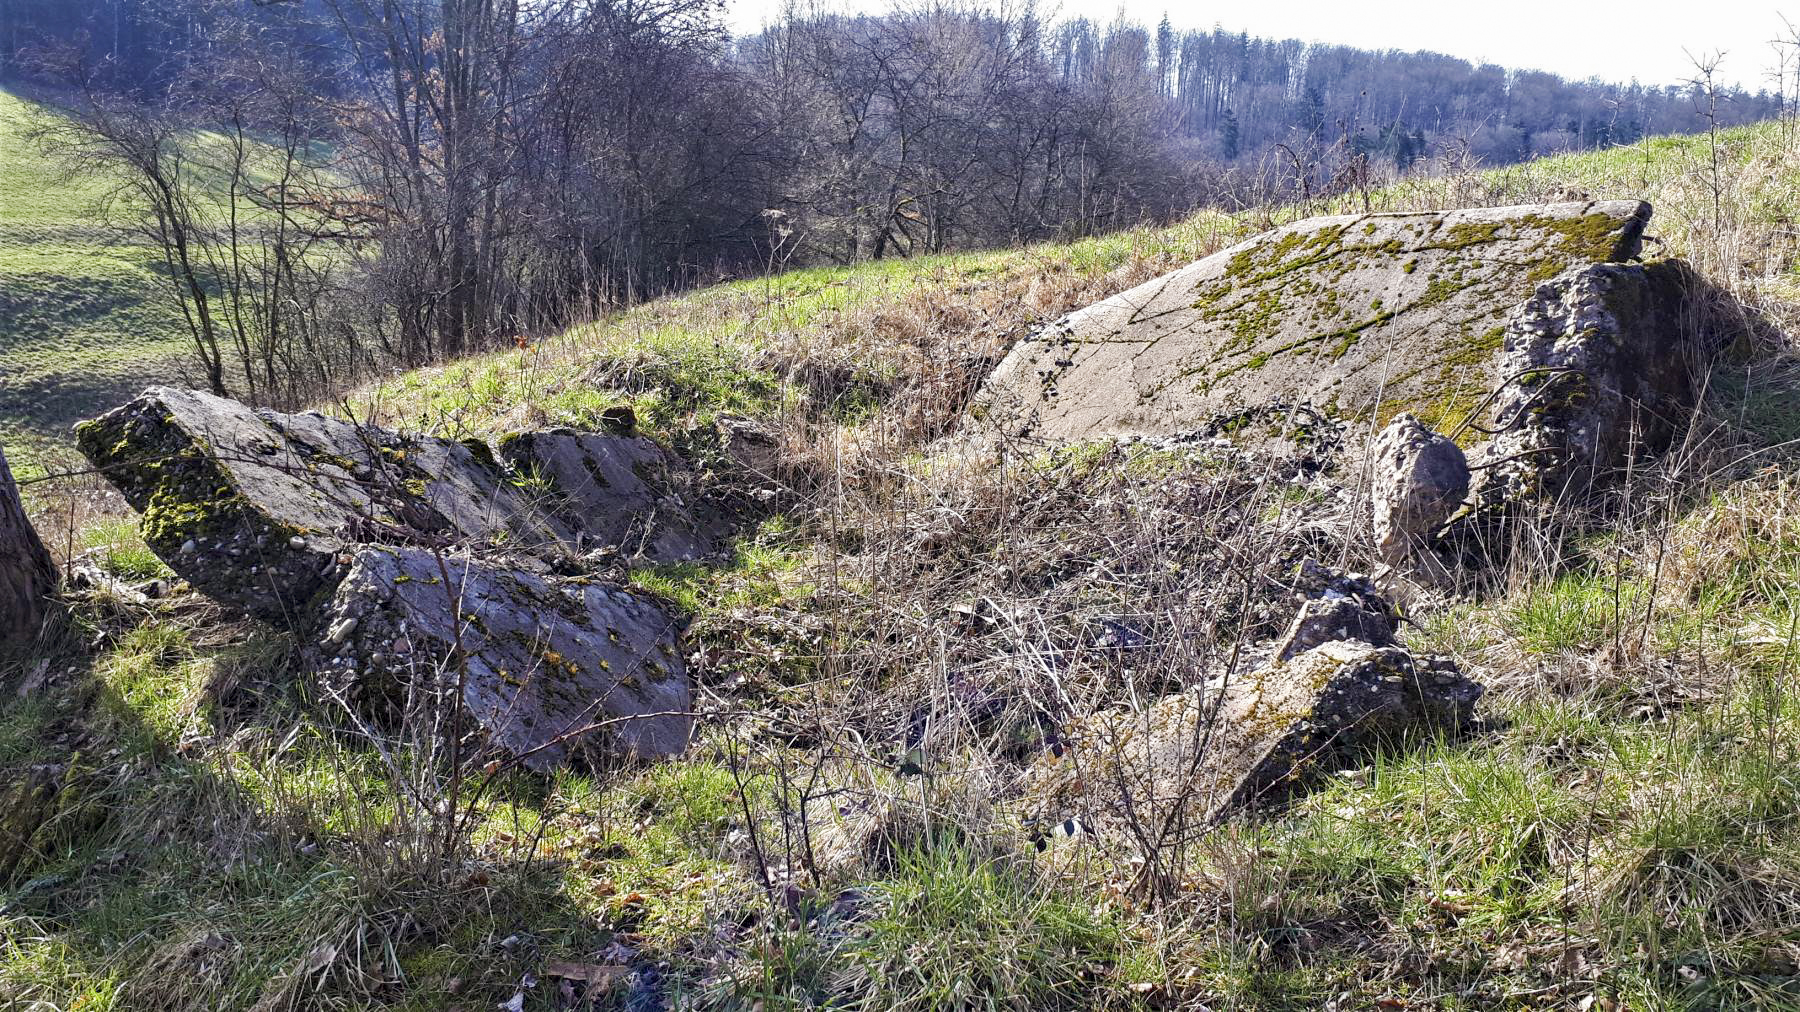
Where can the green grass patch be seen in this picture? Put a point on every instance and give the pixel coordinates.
(766, 568)
(115, 545)
(84, 319)
(957, 927)
(1575, 611)
(1625, 849)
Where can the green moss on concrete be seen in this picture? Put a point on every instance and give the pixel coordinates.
(1595, 238)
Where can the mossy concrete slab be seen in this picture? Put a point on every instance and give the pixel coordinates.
(417, 568)
(623, 492)
(1334, 686)
(1371, 314)
(256, 508)
(546, 664)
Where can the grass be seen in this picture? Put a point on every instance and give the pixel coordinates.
(115, 545)
(954, 928)
(1575, 611)
(1648, 865)
(179, 876)
(83, 324)
(766, 569)
(87, 312)
(1581, 849)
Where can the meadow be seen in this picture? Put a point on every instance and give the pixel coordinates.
(83, 322)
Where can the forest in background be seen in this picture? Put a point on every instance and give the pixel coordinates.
(340, 186)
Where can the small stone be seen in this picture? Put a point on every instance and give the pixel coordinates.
(619, 420)
(297, 543)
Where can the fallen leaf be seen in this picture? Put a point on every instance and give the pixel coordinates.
(591, 974)
(1450, 906)
(320, 957)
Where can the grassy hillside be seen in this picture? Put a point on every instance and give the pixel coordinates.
(82, 325)
(1624, 831)
(896, 318)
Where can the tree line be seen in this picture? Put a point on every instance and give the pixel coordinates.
(338, 186)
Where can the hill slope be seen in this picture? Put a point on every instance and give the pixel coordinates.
(897, 320)
(1622, 833)
(81, 321)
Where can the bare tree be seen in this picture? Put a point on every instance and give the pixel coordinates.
(138, 152)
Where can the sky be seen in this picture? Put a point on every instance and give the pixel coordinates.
(1616, 41)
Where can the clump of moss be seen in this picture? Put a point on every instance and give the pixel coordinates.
(1466, 234)
(1594, 237)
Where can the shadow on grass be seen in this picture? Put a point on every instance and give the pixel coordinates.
(179, 836)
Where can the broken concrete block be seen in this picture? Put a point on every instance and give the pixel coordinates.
(548, 665)
(254, 508)
(1335, 605)
(1418, 479)
(1595, 366)
(1333, 687)
(1371, 313)
(1240, 743)
(617, 491)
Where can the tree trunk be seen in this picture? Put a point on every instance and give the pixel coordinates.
(27, 574)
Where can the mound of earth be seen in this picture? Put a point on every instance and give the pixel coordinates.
(1365, 314)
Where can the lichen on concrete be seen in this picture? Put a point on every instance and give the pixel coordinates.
(1376, 313)
(397, 558)
(255, 507)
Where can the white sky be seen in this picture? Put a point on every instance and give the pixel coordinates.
(1617, 40)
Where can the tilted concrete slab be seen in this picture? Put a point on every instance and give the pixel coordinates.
(546, 665)
(255, 507)
(1368, 314)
